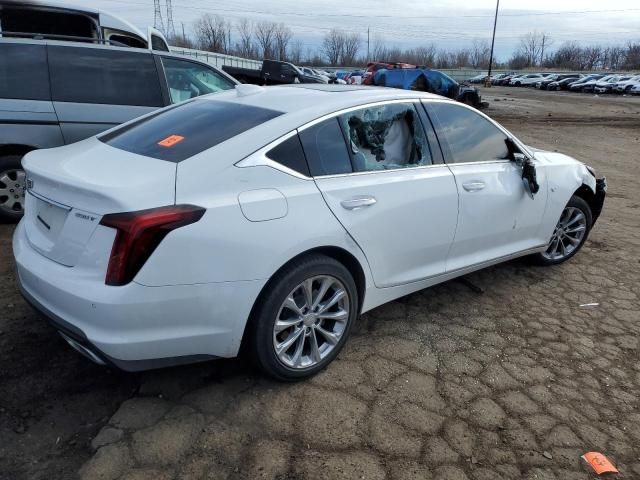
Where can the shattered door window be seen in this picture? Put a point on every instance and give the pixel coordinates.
(386, 137)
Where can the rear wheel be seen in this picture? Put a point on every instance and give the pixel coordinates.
(569, 235)
(303, 322)
(12, 188)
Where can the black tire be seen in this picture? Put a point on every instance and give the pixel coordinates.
(10, 164)
(581, 204)
(260, 335)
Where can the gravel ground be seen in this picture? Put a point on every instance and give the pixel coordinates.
(512, 379)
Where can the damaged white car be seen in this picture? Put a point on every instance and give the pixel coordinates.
(272, 217)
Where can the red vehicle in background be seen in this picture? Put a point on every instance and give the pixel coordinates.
(373, 67)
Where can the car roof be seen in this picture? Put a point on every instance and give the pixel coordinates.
(316, 99)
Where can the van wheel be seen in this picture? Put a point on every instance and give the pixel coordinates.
(303, 322)
(12, 188)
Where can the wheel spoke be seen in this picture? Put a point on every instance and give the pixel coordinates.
(297, 355)
(4, 179)
(579, 228)
(339, 316)
(574, 241)
(284, 346)
(332, 338)
(284, 324)
(578, 218)
(332, 301)
(315, 351)
(291, 304)
(307, 288)
(324, 286)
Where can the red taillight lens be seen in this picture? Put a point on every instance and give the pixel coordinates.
(139, 233)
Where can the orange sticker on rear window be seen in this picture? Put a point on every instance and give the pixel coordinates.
(599, 463)
(171, 140)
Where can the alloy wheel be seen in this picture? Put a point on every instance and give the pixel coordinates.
(568, 234)
(311, 321)
(12, 185)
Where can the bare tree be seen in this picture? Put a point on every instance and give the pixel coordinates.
(545, 44)
(479, 54)
(282, 37)
(530, 48)
(333, 46)
(265, 33)
(632, 56)
(295, 52)
(591, 57)
(212, 33)
(425, 55)
(245, 44)
(351, 45)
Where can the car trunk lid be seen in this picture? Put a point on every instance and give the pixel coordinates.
(70, 188)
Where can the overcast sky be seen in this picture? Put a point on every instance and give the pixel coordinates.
(448, 23)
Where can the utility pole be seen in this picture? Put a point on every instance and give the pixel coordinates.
(184, 37)
(368, 58)
(171, 30)
(544, 38)
(158, 24)
(493, 40)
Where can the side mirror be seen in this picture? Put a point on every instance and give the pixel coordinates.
(519, 158)
(529, 178)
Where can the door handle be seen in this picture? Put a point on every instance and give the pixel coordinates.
(358, 202)
(473, 186)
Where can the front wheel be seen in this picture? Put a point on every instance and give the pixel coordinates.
(12, 186)
(569, 234)
(303, 321)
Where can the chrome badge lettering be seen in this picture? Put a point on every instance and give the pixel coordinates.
(85, 217)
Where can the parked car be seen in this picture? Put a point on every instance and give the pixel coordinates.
(543, 84)
(373, 67)
(51, 20)
(427, 80)
(625, 86)
(272, 72)
(564, 83)
(310, 72)
(526, 80)
(480, 78)
(500, 78)
(606, 86)
(53, 93)
(586, 83)
(635, 90)
(243, 219)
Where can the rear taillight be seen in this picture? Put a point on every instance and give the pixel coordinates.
(139, 233)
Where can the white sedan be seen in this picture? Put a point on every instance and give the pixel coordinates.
(272, 217)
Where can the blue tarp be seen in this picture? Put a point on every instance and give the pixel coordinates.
(416, 79)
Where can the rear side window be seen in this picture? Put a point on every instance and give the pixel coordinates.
(23, 72)
(326, 149)
(90, 75)
(290, 154)
(187, 129)
(470, 137)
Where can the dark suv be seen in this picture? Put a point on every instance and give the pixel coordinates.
(53, 93)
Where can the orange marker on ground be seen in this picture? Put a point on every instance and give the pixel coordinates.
(599, 463)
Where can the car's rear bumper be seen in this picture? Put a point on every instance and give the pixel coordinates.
(135, 327)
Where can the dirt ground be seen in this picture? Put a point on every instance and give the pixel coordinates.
(513, 379)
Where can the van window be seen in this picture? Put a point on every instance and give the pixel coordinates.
(187, 79)
(187, 129)
(94, 75)
(23, 72)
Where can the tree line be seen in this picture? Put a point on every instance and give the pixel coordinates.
(275, 40)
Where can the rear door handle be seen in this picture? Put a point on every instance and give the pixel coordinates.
(473, 186)
(358, 202)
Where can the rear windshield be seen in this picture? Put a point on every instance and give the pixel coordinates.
(187, 129)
